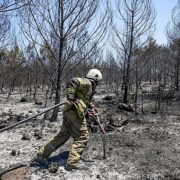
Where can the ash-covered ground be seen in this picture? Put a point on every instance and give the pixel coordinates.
(147, 146)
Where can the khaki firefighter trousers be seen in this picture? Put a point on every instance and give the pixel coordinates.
(76, 128)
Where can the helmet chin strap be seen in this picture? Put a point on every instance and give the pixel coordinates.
(96, 82)
(93, 81)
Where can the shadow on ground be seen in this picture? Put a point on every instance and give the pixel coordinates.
(60, 159)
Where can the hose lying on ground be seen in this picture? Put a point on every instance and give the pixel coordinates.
(30, 118)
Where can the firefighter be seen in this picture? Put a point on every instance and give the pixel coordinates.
(79, 98)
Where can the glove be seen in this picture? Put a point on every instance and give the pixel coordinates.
(68, 105)
(69, 102)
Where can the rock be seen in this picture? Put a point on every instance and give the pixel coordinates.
(137, 121)
(4, 114)
(34, 125)
(19, 117)
(109, 127)
(4, 120)
(10, 111)
(46, 122)
(53, 167)
(3, 125)
(154, 112)
(12, 118)
(23, 99)
(26, 136)
(38, 101)
(53, 131)
(47, 115)
(98, 176)
(108, 98)
(102, 91)
(15, 152)
(125, 123)
(30, 111)
(38, 134)
(50, 125)
(125, 107)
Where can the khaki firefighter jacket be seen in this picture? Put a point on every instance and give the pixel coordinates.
(81, 91)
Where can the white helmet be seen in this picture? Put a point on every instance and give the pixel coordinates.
(94, 74)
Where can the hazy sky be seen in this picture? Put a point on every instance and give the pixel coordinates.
(163, 11)
(163, 16)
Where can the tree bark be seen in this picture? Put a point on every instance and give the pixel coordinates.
(59, 73)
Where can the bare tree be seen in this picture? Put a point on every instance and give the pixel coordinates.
(58, 25)
(4, 29)
(173, 34)
(4, 36)
(137, 18)
(11, 5)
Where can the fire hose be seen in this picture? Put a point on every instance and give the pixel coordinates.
(57, 105)
(30, 118)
